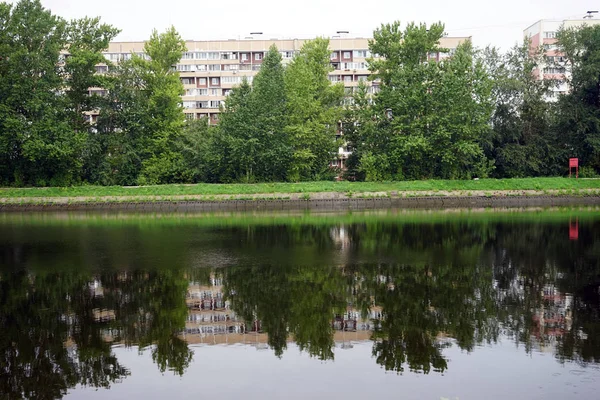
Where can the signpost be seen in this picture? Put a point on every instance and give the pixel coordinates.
(574, 163)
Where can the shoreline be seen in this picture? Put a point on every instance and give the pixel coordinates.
(326, 201)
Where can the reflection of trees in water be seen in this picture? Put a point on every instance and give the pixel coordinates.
(58, 332)
(466, 281)
(49, 340)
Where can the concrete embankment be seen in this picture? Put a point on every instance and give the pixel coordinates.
(314, 201)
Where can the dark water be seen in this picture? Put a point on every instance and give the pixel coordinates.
(413, 305)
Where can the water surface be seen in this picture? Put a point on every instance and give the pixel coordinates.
(414, 305)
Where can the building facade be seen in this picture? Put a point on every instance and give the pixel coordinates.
(209, 70)
(553, 66)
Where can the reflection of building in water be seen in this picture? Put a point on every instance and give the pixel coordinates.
(553, 319)
(340, 237)
(211, 321)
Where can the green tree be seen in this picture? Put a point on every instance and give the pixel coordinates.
(313, 108)
(579, 110)
(253, 126)
(521, 141)
(437, 111)
(37, 146)
(164, 110)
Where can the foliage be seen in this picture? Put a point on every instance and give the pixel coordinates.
(313, 111)
(579, 110)
(521, 141)
(429, 115)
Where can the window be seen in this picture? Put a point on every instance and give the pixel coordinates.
(184, 68)
(202, 81)
(334, 78)
(347, 55)
(215, 92)
(256, 67)
(201, 56)
(287, 54)
(214, 55)
(362, 78)
(554, 70)
(549, 35)
(201, 92)
(214, 67)
(258, 56)
(231, 67)
(226, 92)
(201, 67)
(245, 67)
(188, 56)
(101, 69)
(214, 81)
(244, 56)
(550, 46)
(187, 81)
(215, 103)
(231, 79)
(189, 104)
(202, 104)
(333, 56)
(189, 116)
(347, 78)
(361, 53)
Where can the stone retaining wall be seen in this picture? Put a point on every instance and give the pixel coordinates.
(316, 204)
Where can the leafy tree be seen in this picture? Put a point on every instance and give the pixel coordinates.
(579, 110)
(521, 141)
(204, 152)
(164, 110)
(431, 114)
(313, 107)
(253, 126)
(37, 145)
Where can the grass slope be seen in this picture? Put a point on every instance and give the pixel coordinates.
(306, 187)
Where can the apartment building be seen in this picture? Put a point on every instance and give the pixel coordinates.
(209, 70)
(543, 33)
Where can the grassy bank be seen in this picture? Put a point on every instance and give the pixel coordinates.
(306, 187)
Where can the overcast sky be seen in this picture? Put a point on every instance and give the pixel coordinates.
(499, 23)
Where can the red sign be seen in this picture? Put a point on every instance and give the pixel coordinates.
(574, 163)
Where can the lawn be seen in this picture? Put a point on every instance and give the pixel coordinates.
(306, 187)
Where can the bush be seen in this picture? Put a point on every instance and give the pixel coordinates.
(588, 172)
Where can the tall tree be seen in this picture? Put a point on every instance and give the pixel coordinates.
(433, 112)
(253, 125)
(165, 112)
(313, 111)
(579, 110)
(521, 141)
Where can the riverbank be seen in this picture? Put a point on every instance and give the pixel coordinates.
(311, 201)
(310, 195)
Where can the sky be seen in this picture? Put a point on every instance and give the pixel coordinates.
(499, 23)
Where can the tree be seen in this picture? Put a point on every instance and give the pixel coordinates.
(164, 110)
(141, 120)
(521, 141)
(313, 107)
(268, 101)
(46, 68)
(253, 126)
(37, 145)
(579, 110)
(430, 114)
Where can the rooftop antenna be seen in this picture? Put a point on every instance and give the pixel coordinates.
(590, 14)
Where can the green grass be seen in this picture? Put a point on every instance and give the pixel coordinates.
(565, 184)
